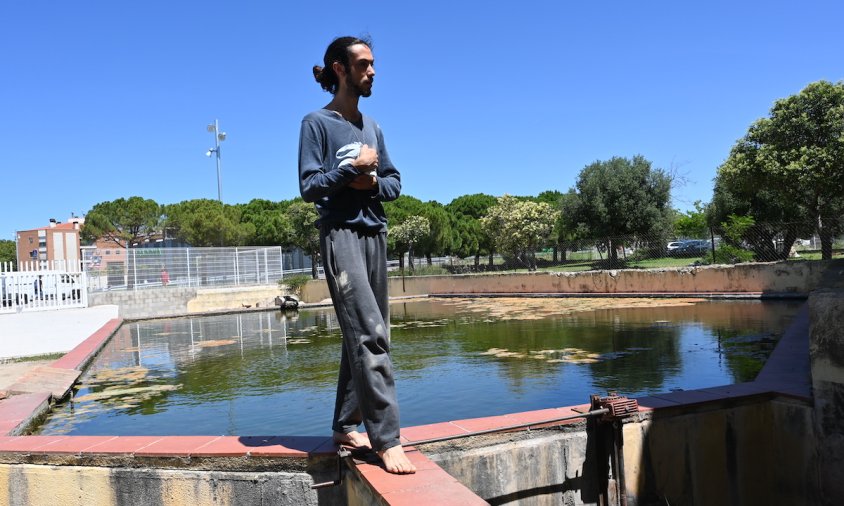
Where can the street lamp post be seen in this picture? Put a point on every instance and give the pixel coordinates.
(219, 137)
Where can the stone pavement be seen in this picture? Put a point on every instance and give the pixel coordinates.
(41, 332)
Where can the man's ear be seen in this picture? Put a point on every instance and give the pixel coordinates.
(339, 69)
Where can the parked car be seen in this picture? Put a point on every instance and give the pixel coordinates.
(693, 247)
(674, 246)
(59, 286)
(16, 289)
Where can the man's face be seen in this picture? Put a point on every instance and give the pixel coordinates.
(361, 71)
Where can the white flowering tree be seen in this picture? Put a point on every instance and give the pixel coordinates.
(520, 227)
(406, 234)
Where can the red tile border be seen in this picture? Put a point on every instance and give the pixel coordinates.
(71, 444)
(486, 423)
(650, 403)
(536, 417)
(28, 444)
(737, 390)
(125, 445)
(175, 446)
(384, 482)
(282, 446)
(327, 447)
(429, 485)
(18, 409)
(453, 493)
(688, 397)
(224, 446)
(431, 431)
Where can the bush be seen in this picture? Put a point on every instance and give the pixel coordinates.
(294, 283)
(422, 270)
(727, 254)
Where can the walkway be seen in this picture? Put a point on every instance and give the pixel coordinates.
(43, 332)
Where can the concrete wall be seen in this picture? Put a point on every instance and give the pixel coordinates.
(146, 303)
(785, 277)
(547, 468)
(173, 301)
(752, 454)
(826, 351)
(757, 454)
(51, 485)
(779, 277)
(220, 299)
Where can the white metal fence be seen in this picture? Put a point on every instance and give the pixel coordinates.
(38, 286)
(141, 268)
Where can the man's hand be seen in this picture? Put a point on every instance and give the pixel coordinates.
(367, 160)
(364, 182)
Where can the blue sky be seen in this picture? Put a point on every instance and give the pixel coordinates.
(108, 99)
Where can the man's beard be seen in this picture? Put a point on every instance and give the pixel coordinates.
(357, 89)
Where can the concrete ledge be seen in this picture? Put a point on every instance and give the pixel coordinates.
(19, 411)
(36, 333)
(370, 484)
(57, 381)
(794, 278)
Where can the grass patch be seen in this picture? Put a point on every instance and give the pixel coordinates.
(815, 255)
(655, 263)
(33, 358)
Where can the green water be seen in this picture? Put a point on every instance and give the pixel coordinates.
(274, 373)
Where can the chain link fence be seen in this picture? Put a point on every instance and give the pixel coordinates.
(728, 244)
(141, 268)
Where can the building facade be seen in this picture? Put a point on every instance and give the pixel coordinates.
(56, 243)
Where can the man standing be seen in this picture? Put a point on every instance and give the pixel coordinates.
(345, 170)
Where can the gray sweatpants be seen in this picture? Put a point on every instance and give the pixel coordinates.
(355, 266)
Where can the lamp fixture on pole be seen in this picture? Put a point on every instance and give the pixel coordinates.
(219, 137)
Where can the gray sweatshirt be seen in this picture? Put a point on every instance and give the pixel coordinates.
(327, 145)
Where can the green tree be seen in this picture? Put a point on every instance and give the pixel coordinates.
(126, 222)
(271, 222)
(555, 199)
(467, 210)
(796, 155)
(692, 224)
(406, 234)
(465, 233)
(397, 211)
(568, 231)
(303, 217)
(8, 254)
(205, 222)
(439, 239)
(623, 197)
(520, 227)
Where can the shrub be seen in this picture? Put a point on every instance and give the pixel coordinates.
(422, 270)
(294, 283)
(727, 254)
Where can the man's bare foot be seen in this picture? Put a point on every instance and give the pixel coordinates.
(396, 461)
(352, 439)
